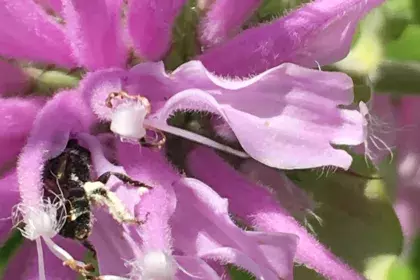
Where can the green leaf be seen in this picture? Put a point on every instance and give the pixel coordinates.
(270, 9)
(9, 249)
(239, 274)
(184, 44)
(50, 81)
(406, 48)
(398, 78)
(401, 271)
(416, 10)
(358, 221)
(407, 268)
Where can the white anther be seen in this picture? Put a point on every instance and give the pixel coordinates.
(127, 120)
(155, 265)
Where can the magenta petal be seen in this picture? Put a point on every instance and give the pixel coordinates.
(9, 197)
(113, 242)
(24, 266)
(224, 19)
(96, 87)
(257, 207)
(408, 167)
(27, 32)
(150, 26)
(55, 5)
(158, 205)
(16, 119)
(211, 234)
(319, 32)
(286, 117)
(94, 30)
(12, 79)
(291, 197)
(66, 113)
(160, 202)
(196, 267)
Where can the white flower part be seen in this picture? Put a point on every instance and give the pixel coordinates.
(43, 220)
(127, 120)
(155, 265)
(371, 126)
(130, 123)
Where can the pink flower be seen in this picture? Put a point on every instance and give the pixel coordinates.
(286, 117)
(408, 158)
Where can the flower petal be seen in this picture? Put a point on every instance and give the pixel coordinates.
(9, 197)
(55, 5)
(96, 40)
(257, 207)
(24, 266)
(193, 267)
(224, 19)
(150, 26)
(12, 79)
(66, 113)
(319, 32)
(16, 119)
(113, 242)
(27, 32)
(291, 197)
(408, 161)
(286, 118)
(160, 202)
(212, 234)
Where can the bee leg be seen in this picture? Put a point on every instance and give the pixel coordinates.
(89, 246)
(123, 177)
(99, 194)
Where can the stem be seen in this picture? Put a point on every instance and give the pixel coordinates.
(194, 137)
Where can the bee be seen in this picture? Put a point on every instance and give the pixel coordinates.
(69, 175)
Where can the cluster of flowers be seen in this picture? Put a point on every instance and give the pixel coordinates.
(260, 84)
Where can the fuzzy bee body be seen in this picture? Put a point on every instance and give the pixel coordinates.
(69, 176)
(66, 175)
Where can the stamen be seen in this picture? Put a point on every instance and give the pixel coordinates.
(41, 267)
(67, 259)
(45, 221)
(194, 137)
(40, 220)
(371, 125)
(129, 121)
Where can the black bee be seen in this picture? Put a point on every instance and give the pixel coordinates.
(69, 175)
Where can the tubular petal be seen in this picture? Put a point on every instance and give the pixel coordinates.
(224, 19)
(12, 79)
(24, 266)
(150, 26)
(16, 119)
(212, 235)
(286, 117)
(94, 30)
(257, 207)
(27, 32)
(319, 32)
(64, 114)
